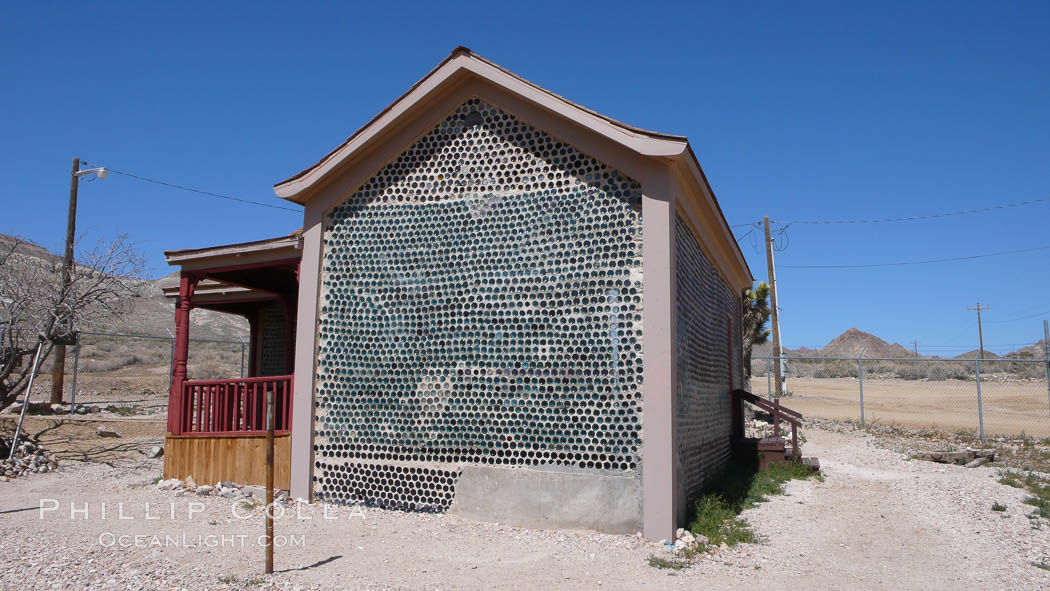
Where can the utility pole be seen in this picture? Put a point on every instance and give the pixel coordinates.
(1046, 354)
(269, 481)
(980, 334)
(58, 368)
(773, 310)
(915, 347)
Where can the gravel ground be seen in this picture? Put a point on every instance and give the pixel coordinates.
(1020, 453)
(877, 521)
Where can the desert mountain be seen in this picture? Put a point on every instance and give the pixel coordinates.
(1037, 350)
(848, 344)
(987, 355)
(28, 249)
(150, 312)
(853, 342)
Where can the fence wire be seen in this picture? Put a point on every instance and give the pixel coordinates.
(101, 361)
(987, 397)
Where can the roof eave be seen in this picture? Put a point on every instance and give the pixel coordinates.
(453, 70)
(179, 257)
(691, 164)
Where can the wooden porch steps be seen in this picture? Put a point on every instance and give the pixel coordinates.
(770, 449)
(773, 449)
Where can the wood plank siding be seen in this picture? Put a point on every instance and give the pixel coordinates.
(238, 458)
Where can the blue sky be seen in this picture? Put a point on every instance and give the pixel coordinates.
(800, 111)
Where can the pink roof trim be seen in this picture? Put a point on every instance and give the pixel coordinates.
(463, 61)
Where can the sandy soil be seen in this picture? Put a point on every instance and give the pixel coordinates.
(877, 521)
(76, 438)
(1010, 407)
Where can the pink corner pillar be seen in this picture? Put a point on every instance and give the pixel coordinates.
(660, 494)
(305, 356)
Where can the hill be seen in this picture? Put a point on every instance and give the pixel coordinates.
(1038, 350)
(853, 342)
(28, 249)
(848, 344)
(150, 312)
(987, 355)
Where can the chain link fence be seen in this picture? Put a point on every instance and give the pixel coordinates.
(986, 397)
(146, 361)
(130, 368)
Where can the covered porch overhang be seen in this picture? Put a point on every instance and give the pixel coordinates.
(214, 425)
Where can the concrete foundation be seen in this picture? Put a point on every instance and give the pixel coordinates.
(550, 499)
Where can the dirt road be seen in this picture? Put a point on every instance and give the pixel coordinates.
(877, 521)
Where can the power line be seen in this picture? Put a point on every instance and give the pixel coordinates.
(961, 347)
(1037, 314)
(746, 234)
(924, 217)
(781, 240)
(926, 262)
(200, 192)
(907, 218)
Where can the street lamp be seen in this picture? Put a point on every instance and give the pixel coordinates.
(59, 366)
(100, 172)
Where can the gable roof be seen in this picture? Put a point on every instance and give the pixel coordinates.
(463, 64)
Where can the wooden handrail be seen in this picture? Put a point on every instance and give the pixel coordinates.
(240, 380)
(778, 412)
(233, 406)
(765, 404)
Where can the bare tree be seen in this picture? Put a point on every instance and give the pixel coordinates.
(35, 306)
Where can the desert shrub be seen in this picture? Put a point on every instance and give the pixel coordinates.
(103, 345)
(672, 564)
(109, 363)
(911, 372)
(211, 370)
(946, 371)
(1022, 370)
(879, 369)
(124, 411)
(798, 368)
(836, 369)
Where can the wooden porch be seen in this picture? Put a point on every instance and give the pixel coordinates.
(217, 427)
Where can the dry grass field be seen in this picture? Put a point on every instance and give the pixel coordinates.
(126, 376)
(1012, 407)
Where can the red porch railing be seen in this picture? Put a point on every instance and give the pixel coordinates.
(237, 406)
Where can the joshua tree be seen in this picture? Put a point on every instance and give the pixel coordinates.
(35, 306)
(756, 315)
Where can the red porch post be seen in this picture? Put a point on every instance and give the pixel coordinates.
(187, 285)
